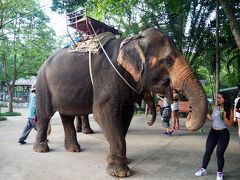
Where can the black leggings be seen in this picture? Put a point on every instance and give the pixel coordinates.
(219, 138)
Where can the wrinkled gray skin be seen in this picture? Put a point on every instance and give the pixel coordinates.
(83, 125)
(145, 60)
(151, 104)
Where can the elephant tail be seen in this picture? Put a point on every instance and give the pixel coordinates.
(43, 97)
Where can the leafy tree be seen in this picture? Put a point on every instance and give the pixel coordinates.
(191, 23)
(229, 9)
(26, 41)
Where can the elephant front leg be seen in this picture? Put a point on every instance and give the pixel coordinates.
(71, 143)
(113, 129)
(117, 162)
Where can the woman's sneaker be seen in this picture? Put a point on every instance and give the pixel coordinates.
(219, 176)
(166, 133)
(171, 132)
(201, 172)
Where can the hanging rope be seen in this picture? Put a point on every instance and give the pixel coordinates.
(111, 62)
(90, 65)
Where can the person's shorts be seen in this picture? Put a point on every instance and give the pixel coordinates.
(166, 115)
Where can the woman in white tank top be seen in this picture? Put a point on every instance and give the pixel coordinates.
(175, 109)
(218, 136)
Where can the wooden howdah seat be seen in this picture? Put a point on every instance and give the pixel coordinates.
(81, 23)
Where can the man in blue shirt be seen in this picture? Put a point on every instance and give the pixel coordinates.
(31, 116)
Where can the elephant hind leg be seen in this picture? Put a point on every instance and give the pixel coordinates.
(45, 112)
(43, 129)
(78, 124)
(82, 124)
(41, 144)
(86, 129)
(71, 143)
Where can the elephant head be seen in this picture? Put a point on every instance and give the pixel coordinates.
(149, 77)
(149, 57)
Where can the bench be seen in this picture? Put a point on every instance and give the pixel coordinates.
(184, 106)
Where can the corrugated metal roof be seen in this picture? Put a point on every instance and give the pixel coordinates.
(229, 89)
(26, 82)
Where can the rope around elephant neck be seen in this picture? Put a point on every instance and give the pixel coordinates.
(90, 65)
(109, 62)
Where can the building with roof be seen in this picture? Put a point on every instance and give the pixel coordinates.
(21, 90)
(231, 91)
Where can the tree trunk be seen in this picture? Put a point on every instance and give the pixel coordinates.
(10, 94)
(235, 27)
(217, 53)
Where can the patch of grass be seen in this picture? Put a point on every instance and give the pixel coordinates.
(3, 118)
(10, 114)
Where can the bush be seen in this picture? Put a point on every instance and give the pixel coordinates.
(2, 118)
(10, 114)
(3, 104)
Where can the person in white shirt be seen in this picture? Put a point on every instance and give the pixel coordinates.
(237, 112)
(175, 109)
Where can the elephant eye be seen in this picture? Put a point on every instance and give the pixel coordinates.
(167, 61)
(167, 82)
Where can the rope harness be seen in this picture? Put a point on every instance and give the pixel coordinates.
(109, 60)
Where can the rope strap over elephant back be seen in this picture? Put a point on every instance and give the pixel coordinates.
(90, 67)
(92, 42)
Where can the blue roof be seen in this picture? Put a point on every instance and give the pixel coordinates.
(70, 43)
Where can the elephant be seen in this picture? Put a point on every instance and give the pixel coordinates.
(83, 125)
(148, 98)
(108, 84)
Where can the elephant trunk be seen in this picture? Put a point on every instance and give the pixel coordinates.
(184, 79)
(148, 98)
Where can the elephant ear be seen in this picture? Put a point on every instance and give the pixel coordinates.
(132, 57)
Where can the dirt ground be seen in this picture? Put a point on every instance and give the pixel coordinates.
(151, 154)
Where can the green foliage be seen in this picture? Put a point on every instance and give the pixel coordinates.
(26, 40)
(191, 23)
(61, 6)
(10, 114)
(2, 118)
(25, 37)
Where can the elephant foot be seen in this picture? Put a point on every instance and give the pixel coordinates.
(87, 131)
(72, 147)
(78, 129)
(149, 123)
(118, 170)
(41, 147)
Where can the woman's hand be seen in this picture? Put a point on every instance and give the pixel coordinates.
(209, 116)
(228, 122)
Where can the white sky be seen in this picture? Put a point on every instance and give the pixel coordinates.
(57, 21)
